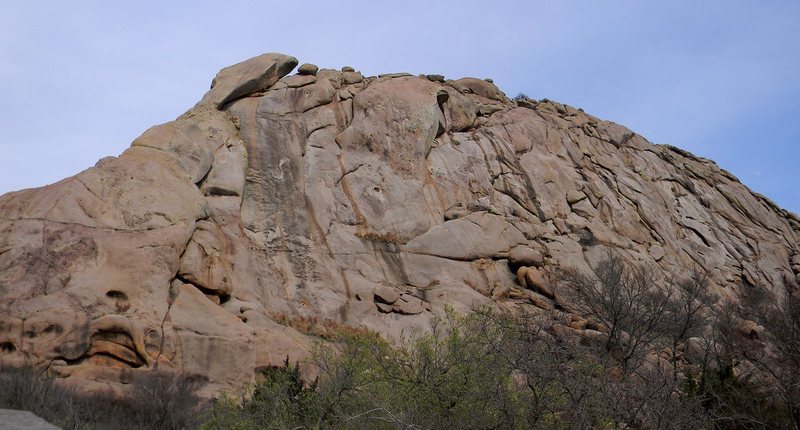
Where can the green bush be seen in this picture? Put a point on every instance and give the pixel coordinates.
(280, 400)
(445, 379)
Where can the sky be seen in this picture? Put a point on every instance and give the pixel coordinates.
(81, 80)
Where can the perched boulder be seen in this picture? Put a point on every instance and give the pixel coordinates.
(248, 77)
(308, 69)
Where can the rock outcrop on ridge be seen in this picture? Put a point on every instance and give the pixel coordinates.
(283, 207)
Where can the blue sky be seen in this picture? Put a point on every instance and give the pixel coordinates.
(81, 80)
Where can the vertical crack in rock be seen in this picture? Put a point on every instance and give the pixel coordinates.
(170, 301)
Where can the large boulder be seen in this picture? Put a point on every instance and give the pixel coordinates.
(248, 77)
(282, 209)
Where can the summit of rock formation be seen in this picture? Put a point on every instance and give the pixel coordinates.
(283, 207)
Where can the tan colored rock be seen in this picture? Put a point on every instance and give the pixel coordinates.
(500, 291)
(565, 332)
(596, 326)
(297, 81)
(384, 308)
(408, 305)
(205, 263)
(299, 99)
(280, 207)
(191, 141)
(615, 133)
(478, 235)
(574, 196)
(460, 111)
(526, 103)
(696, 350)
(598, 337)
(482, 88)
(248, 77)
(394, 75)
(657, 252)
(307, 69)
(536, 279)
(539, 301)
(577, 322)
(524, 256)
(456, 211)
(386, 294)
(227, 174)
(750, 329)
(345, 95)
(351, 78)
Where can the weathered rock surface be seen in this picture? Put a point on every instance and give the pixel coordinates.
(281, 207)
(308, 69)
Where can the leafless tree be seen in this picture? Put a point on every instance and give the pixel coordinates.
(627, 300)
(28, 387)
(164, 400)
(779, 354)
(687, 312)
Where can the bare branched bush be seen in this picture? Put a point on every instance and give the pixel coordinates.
(688, 311)
(158, 401)
(29, 388)
(164, 400)
(778, 354)
(627, 300)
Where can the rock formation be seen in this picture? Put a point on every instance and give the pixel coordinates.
(283, 207)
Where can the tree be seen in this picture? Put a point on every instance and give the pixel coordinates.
(163, 400)
(644, 315)
(627, 300)
(687, 312)
(28, 387)
(779, 357)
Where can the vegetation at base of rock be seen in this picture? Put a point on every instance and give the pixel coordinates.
(489, 370)
(449, 378)
(158, 400)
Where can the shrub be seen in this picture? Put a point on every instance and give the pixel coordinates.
(490, 370)
(158, 400)
(163, 400)
(627, 300)
(29, 388)
(446, 379)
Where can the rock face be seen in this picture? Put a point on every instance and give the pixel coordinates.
(282, 207)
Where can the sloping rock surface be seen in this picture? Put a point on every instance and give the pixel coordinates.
(281, 208)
